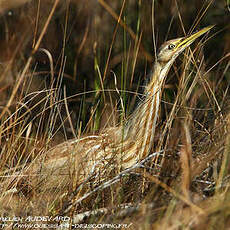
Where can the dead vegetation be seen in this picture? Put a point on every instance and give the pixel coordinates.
(70, 69)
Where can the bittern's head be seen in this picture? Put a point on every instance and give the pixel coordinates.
(171, 49)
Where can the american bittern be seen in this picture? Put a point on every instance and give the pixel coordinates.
(123, 146)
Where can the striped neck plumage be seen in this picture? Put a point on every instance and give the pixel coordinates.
(138, 135)
(140, 128)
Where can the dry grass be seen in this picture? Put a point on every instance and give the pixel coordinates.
(75, 68)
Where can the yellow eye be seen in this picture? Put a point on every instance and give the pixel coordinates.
(171, 46)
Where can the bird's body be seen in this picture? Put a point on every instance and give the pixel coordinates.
(74, 161)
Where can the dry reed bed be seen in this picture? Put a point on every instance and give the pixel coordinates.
(186, 186)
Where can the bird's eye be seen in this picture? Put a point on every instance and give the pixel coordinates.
(171, 46)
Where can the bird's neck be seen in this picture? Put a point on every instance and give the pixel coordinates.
(140, 128)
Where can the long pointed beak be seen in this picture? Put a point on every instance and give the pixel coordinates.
(186, 41)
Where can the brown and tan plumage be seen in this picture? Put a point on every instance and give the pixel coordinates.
(79, 159)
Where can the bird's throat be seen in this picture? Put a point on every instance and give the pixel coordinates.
(141, 126)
